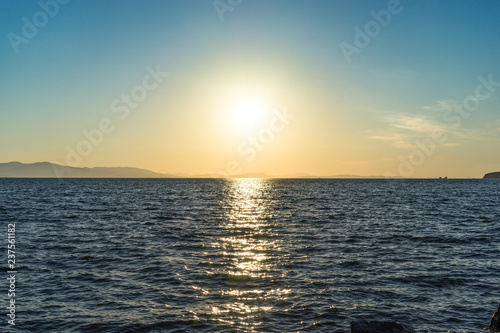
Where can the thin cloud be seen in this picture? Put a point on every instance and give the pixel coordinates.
(418, 124)
(444, 105)
(451, 144)
(405, 131)
(397, 140)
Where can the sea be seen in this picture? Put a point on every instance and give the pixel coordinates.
(250, 255)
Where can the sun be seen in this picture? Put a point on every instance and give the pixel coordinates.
(248, 113)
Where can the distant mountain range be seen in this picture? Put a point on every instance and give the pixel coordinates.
(52, 170)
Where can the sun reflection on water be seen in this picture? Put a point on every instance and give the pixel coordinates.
(248, 246)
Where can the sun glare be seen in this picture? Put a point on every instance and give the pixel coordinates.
(248, 113)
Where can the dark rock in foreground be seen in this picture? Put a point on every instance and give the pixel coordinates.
(492, 175)
(379, 327)
(495, 322)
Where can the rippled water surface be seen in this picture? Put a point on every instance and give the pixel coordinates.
(252, 255)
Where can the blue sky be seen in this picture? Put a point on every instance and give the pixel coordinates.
(426, 59)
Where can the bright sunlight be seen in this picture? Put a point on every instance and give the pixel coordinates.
(248, 113)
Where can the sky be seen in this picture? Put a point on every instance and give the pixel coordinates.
(232, 87)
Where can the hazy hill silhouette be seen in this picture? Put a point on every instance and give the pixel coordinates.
(51, 170)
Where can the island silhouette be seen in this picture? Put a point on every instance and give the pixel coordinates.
(492, 175)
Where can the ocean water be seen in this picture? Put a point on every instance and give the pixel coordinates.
(251, 255)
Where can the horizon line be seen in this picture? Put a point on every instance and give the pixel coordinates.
(249, 175)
